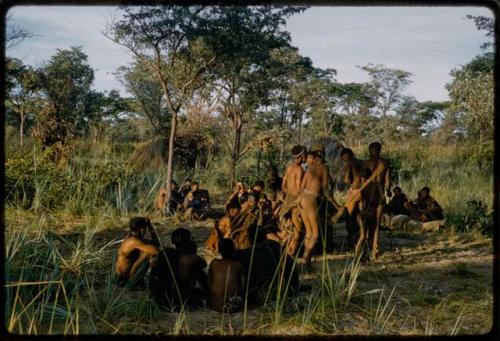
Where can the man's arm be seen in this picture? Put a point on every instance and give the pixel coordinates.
(285, 180)
(149, 250)
(388, 183)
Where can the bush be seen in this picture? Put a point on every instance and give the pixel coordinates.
(477, 217)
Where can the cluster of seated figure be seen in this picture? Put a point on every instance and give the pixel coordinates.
(177, 278)
(189, 199)
(424, 208)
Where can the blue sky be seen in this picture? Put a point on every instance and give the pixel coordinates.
(426, 41)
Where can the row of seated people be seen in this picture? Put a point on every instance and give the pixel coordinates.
(424, 208)
(177, 277)
(189, 199)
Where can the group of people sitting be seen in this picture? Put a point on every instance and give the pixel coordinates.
(290, 215)
(424, 208)
(189, 199)
(176, 277)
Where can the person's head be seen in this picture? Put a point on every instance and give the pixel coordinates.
(312, 157)
(194, 186)
(180, 236)
(258, 186)
(319, 151)
(233, 209)
(187, 181)
(241, 187)
(425, 192)
(298, 153)
(374, 149)
(366, 173)
(138, 226)
(226, 248)
(252, 200)
(397, 190)
(346, 154)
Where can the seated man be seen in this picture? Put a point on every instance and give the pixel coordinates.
(425, 208)
(226, 280)
(134, 254)
(223, 227)
(397, 204)
(185, 189)
(371, 196)
(191, 274)
(165, 278)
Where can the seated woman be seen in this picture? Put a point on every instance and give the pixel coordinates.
(135, 254)
(425, 208)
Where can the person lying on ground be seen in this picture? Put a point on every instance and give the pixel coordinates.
(135, 255)
(425, 208)
(223, 226)
(396, 205)
(226, 280)
(192, 279)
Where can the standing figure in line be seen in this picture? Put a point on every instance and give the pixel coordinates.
(310, 188)
(381, 176)
(291, 188)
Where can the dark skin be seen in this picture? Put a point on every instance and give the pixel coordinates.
(191, 271)
(225, 227)
(125, 267)
(352, 176)
(371, 195)
(225, 279)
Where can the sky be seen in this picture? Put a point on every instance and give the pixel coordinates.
(426, 41)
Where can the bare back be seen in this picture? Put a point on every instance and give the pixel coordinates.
(125, 261)
(312, 182)
(352, 173)
(292, 179)
(225, 279)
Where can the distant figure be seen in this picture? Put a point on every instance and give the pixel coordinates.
(371, 195)
(185, 188)
(397, 204)
(425, 208)
(135, 255)
(226, 280)
(291, 187)
(191, 273)
(196, 202)
(274, 182)
(257, 188)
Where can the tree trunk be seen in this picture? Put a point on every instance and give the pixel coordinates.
(170, 159)
(236, 148)
(300, 129)
(21, 127)
(259, 157)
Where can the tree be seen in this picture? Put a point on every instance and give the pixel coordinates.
(415, 118)
(484, 24)
(385, 88)
(15, 35)
(166, 41)
(21, 96)
(243, 41)
(63, 85)
(148, 99)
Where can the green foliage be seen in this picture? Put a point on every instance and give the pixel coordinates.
(476, 217)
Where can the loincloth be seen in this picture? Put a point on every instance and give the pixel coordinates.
(288, 204)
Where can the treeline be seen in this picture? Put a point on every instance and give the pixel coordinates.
(209, 86)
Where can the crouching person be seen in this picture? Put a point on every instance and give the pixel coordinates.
(226, 280)
(135, 254)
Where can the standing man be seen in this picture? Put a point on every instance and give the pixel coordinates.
(352, 176)
(291, 187)
(311, 187)
(381, 176)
